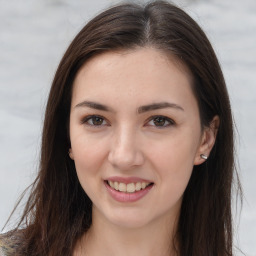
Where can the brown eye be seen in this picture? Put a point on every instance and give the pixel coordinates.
(160, 121)
(94, 121)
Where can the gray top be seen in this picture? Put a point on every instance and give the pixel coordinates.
(9, 242)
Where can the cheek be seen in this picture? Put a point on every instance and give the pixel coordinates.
(174, 165)
(173, 172)
(174, 160)
(88, 157)
(177, 150)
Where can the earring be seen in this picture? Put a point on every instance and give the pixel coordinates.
(203, 156)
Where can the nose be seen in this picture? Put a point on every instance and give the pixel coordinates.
(125, 153)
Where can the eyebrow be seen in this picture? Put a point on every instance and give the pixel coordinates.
(159, 105)
(93, 105)
(142, 109)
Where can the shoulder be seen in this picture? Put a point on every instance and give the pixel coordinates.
(9, 242)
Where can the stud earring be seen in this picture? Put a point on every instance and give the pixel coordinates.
(203, 156)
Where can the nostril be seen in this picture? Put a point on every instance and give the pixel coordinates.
(125, 158)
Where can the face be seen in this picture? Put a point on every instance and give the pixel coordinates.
(135, 135)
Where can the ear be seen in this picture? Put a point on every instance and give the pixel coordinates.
(71, 154)
(207, 140)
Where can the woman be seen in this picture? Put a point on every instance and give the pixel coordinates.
(137, 147)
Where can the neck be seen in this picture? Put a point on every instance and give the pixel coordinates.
(108, 239)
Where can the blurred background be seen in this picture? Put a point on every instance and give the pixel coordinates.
(33, 38)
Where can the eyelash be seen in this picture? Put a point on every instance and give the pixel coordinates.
(90, 117)
(165, 119)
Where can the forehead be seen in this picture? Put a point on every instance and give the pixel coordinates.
(143, 74)
(139, 55)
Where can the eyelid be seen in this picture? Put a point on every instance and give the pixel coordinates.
(85, 120)
(168, 119)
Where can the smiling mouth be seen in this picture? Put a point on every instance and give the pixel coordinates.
(128, 188)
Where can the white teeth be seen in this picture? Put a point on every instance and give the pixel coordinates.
(116, 186)
(122, 187)
(128, 188)
(138, 186)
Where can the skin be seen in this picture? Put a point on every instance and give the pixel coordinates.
(128, 140)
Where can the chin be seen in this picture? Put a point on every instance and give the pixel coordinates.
(127, 218)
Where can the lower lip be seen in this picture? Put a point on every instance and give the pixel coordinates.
(128, 197)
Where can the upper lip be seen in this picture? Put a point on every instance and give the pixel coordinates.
(127, 180)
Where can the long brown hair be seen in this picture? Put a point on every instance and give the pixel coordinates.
(58, 210)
